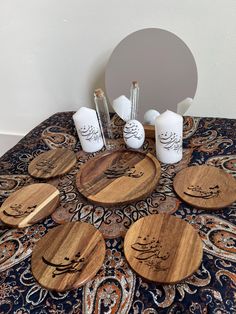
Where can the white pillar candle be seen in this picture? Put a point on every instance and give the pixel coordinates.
(169, 137)
(184, 105)
(88, 129)
(122, 106)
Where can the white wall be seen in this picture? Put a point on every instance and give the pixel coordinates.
(7, 141)
(53, 52)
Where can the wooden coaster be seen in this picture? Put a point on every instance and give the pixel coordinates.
(205, 187)
(68, 256)
(29, 205)
(163, 248)
(118, 177)
(52, 163)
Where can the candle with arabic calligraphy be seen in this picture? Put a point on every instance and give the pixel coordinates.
(133, 134)
(169, 137)
(88, 129)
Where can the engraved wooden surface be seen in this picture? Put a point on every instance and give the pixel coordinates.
(118, 177)
(149, 130)
(29, 205)
(68, 256)
(52, 163)
(205, 187)
(163, 248)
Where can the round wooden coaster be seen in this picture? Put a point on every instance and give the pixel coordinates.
(118, 177)
(29, 205)
(205, 187)
(68, 256)
(52, 163)
(163, 248)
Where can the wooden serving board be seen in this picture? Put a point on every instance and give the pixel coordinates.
(118, 177)
(68, 256)
(52, 163)
(205, 187)
(163, 248)
(29, 205)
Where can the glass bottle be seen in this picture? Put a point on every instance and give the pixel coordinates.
(134, 98)
(104, 118)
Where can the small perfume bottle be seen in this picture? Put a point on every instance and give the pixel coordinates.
(104, 118)
(134, 98)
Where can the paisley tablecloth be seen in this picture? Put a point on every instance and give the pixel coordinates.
(116, 288)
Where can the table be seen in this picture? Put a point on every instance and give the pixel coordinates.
(116, 288)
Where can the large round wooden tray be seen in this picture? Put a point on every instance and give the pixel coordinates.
(205, 187)
(118, 177)
(52, 163)
(163, 248)
(68, 256)
(29, 205)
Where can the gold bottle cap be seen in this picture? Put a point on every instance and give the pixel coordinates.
(135, 83)
(98, 92)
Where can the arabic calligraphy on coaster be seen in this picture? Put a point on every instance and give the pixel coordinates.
(205, 187)
(68, 256)
(118, 177)
(163, 248)
(29, 205)
(52, 163)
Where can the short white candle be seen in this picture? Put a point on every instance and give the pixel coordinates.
(88, 129)
(122, 106)
(169, 137)
(184, 105)
(150, 116)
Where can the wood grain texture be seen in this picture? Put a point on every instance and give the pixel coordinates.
(29, 205)
(52, 163)
(205, 187)
(149, 131)
(118, 177)
(68, 256)
(163, 248)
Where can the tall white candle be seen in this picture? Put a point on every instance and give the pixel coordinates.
(169, 137)
(88, 129)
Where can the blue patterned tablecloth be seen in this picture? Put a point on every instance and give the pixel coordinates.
(116, 288)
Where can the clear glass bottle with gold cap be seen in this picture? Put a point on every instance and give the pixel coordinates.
(104, 118)
(133, 131)
(134, 98)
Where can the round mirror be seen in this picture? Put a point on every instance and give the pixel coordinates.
(161, 63)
